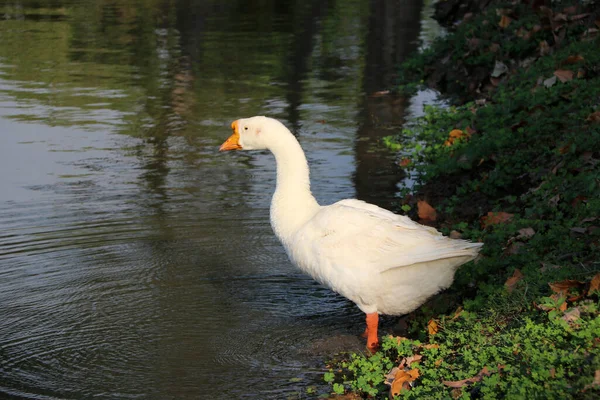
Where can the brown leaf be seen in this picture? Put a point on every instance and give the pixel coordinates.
(431, 346)
(426, 212)
(525, 233)
(562, 287)
(595, 284)
(513, 280)
(573, 59)
(494, 218)
(578, 230)
(438, 362)
(578, 17)
(380, 93)
(593, 117)
(465, 382)
(412, 359)
(457, 313)
(571, 316)
(432, 327)
(504, 21)
(564, 75)
(402, 380)
(514, 248)
(560, 17)
(544, 48)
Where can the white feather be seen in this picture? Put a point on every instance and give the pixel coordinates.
(385, 263)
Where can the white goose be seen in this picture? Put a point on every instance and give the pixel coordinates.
(383, 262)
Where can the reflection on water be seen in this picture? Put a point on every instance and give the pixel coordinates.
(136, 261)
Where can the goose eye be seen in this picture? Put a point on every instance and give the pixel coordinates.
(245, 128)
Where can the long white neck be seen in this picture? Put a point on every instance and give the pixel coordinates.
(293, 203)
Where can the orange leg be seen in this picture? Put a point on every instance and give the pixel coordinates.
(371, 331)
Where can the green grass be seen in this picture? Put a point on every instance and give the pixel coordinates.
(534, 152)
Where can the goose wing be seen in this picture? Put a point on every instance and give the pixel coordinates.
(363, 235)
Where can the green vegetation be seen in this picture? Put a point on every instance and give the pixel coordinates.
(517, 169)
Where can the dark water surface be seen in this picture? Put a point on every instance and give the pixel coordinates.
(135, 260)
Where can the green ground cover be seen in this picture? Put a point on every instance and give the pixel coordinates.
(514, 164)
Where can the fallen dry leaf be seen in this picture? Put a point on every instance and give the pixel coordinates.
(545, 48)
(579, 230)
(573, 59)
(504, 21)
(405, 162)
(453, 136)
(431, 346)
(514, 248)
(425, 211)
(432, 327)
(465, 382)
(402, 380)
(494, 218)
(525, 233)
(412, 359)
(572, 315)
(550, 82)
(562, 288)
(513, 280)
(438, 362)
(595, 284)
(564, 75)
(594, 117)
(578, 16)
(457, 313)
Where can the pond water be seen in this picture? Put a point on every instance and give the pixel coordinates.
(136, 261)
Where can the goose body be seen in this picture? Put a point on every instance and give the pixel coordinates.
(384, 262)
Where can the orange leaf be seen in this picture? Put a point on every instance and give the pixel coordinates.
(402, 379)
(595, 283)
(573, 59)
(405, 162)
(425, 211)
(562, 287)
(468, 381)
(564, 75)
(494, 218)
(504, 21)
(433, 327)
(512, 281)
(453, 136)
(431, 346)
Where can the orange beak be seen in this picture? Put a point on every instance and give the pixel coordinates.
(233, 143)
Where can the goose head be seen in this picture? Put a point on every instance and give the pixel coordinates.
(255, 133)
